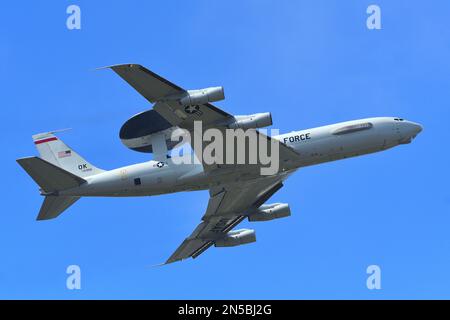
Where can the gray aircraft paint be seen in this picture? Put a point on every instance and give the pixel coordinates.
(321, 146)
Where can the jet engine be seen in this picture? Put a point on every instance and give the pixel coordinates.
(201, 96)
(237, 238)
(270, 211)
(253, 121)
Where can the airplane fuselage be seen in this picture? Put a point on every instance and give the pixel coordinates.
(316, 145)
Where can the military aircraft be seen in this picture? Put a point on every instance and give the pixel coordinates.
(237, 191)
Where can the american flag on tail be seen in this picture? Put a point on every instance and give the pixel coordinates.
(63, 154)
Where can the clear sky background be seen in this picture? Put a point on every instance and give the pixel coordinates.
(310, 63)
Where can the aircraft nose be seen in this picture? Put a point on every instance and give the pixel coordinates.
(415, 127)
(408, 130)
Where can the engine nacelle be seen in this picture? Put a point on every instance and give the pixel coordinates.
(253, 121)
(237, 238)
(202, 96)
(270, 211)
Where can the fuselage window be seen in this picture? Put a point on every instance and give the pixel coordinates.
(353, 128)
(137, 181)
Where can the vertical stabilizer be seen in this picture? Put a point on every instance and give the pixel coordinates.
(55, 151)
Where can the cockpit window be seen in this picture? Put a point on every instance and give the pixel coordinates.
(353, 128)
(398, 119)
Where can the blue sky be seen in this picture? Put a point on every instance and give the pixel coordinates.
(310, 63)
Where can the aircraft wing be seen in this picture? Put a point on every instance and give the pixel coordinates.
(150, 85)
(228, 205)
(156, 89)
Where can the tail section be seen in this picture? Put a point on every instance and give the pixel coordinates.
(59, 168)
(53, 150)
(51, 179)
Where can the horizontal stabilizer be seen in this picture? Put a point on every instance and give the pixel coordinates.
(48, 176)
(53, 206)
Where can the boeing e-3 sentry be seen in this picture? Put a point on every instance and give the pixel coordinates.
(237, 190)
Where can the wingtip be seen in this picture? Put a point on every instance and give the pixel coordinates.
(119, 65)
(169, 261)
(157, 265)
(101, 68)
(160, 264)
